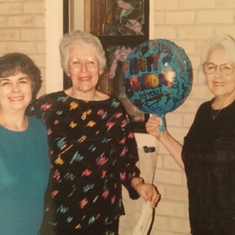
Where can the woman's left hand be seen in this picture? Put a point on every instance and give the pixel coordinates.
(149, 192)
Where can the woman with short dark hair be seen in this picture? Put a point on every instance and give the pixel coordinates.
(24, 156)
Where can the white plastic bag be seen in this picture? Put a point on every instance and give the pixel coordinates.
(143, 224)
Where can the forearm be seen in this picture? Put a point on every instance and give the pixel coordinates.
(173, 147)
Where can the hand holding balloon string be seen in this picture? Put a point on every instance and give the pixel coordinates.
(156, 126)
(162, 125)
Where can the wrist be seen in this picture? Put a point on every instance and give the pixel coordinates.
(162, 136)
(136, 181)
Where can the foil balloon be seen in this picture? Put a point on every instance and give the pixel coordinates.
(157, 76)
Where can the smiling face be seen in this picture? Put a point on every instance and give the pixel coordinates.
(219, 84)
(83, 68)
(15, 92)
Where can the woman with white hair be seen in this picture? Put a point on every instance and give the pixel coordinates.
(208, 152)
(92, 146)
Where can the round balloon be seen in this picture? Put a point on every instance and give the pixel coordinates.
(157, 76)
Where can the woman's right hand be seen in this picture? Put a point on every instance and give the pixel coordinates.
(153, 126)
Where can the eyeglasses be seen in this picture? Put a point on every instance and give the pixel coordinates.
(225, 69)
(90, 64)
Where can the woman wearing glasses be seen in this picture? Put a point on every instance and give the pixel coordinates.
(92, 146)
(208, 152)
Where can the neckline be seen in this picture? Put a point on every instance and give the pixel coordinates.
(17, 131)
(14, 131)
(215, 113)
(85, 101)
(221, 108)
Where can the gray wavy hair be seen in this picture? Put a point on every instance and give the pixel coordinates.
(77, 37)
(226, 42)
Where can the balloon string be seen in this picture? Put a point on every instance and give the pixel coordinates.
(155, 160)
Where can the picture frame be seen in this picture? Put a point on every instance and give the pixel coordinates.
(117, 18)
(109, 21)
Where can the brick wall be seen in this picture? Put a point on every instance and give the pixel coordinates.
(22, 29)
(188, 23)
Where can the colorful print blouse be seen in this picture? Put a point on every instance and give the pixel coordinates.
(90, 160)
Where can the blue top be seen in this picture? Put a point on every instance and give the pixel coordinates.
(24, 168)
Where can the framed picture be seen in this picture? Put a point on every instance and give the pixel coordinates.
(117, 18)
(120, 25)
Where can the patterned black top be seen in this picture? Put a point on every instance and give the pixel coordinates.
(209, 158)
(90, 160)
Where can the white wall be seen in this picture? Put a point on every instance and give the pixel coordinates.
(54, 32)
(78, 15)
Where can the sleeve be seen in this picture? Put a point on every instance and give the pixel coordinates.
(46, 149)
(37, 107)
(129, 154)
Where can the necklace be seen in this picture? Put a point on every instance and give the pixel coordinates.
(216, 114)
(85, 113)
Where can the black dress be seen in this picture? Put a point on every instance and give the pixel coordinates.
(209, 158)
(91, 158)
